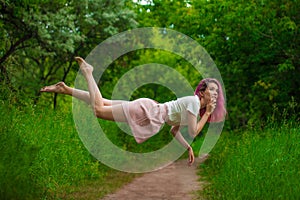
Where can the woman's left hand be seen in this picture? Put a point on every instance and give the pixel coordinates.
(191, 156)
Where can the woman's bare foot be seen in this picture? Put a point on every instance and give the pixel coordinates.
(59, 87)
(84, 66)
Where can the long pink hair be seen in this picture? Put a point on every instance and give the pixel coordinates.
(220, 111)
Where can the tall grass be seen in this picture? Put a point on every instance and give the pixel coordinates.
(256, 164)
(41, 155)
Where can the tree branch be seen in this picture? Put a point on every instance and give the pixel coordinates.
(13, 48)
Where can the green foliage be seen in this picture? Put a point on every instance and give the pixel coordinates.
(254, 44)
(257, 164)
(168, 68)
(39, 39)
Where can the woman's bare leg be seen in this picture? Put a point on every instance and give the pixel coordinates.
(113, 112)
(62, 88)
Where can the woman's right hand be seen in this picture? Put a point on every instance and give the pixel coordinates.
(210, 107)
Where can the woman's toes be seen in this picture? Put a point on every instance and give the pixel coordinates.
(57, 88)
(84, 66)
(79, 59)
(43, 89)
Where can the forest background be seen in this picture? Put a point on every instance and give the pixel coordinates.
(255, 45)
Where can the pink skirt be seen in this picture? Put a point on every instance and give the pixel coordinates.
(145, 117)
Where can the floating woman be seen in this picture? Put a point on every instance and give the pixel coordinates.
(145, 116)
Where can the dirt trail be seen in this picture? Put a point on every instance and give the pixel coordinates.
(176, 181)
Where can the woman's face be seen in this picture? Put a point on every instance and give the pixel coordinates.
(211, 92)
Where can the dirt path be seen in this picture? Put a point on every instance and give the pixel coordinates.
(176, 181)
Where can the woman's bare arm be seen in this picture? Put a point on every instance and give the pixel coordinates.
(195, 127)
(175, 130)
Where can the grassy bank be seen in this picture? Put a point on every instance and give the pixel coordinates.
(42, 157)
(256, 164)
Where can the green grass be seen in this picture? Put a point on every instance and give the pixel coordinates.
(42, 157)
(256, 164)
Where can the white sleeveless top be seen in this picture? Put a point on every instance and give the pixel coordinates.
(178, 110)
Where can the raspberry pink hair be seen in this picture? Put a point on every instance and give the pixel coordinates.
(220, 111)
